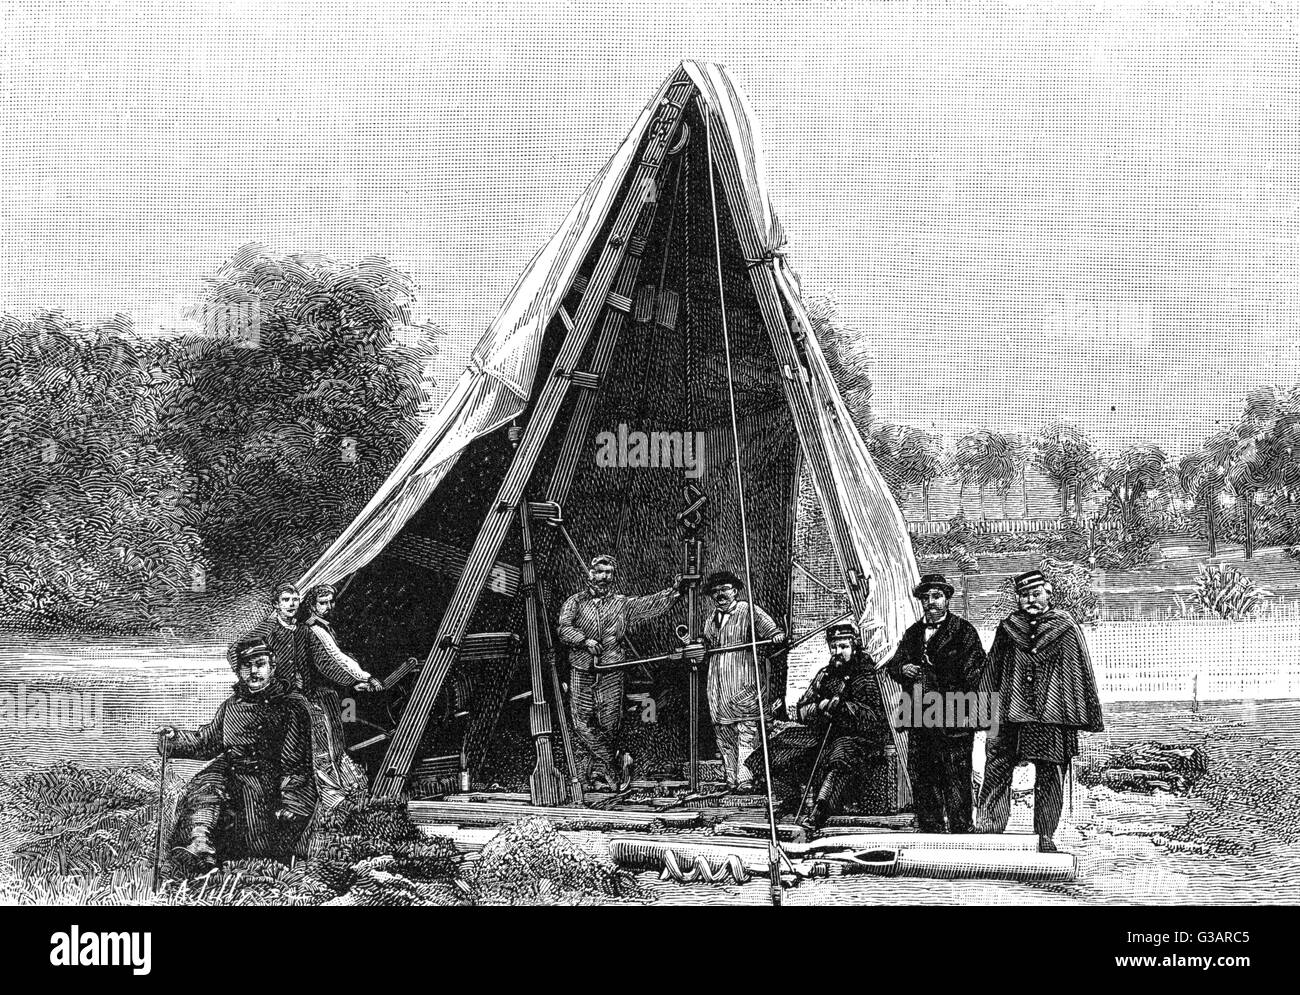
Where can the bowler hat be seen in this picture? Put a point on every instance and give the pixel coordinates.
(933, 582)
(721, 577)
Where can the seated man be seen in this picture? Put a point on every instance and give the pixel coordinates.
(257, 796)
(841, 708)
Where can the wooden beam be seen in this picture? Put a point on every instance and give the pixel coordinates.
(390, 781)
(544, 784)
(446, 559)
(496, 813)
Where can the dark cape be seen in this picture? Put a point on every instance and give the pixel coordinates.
(1041, 669)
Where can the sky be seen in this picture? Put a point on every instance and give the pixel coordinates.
(1027, 212)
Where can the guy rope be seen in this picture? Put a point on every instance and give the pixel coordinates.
(774, 847)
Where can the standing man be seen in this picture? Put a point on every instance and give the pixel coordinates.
(592, 624)
(941, 653)
(1040, 668)
(734, 694)
(280, 632)
(327, 669)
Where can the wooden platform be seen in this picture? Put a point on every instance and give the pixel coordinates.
(495, 813)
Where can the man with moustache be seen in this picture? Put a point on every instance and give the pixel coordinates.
(941, 653)
(257, 796)
(732, 689)
(592, 624)
(1040, 668)
(842, 718)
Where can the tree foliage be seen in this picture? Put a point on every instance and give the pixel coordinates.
(292, 413)
(88, 539)
(138, 470)
(1069, 458)
(848, 355)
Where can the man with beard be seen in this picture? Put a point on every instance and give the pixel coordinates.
(257, 797)
(1039, 667)
(732, 689)
(592, 624)
(327, 669)
(843, 718)
(941, 654)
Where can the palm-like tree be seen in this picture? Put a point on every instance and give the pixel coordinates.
(1202, 475)
(1134, 472)
(967, 465)
(1069, 458)
(990, 459)
(920, 461)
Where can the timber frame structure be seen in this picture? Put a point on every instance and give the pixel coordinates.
(550, 429)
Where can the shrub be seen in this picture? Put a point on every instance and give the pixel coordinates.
(1223, 591)
(1071, 591)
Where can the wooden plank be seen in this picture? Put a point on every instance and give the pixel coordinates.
(390, 781)
(566, 463)
(486, 813)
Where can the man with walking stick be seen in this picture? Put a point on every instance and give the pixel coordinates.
(257, 796)
(842, 725)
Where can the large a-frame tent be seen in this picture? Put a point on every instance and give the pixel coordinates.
(664, 303)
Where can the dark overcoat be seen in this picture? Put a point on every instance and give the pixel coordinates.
(260, 748)
(952, 660)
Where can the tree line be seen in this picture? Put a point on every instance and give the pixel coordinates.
(1242, 483)
(142, 473)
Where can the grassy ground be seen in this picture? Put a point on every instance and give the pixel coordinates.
(84, 836)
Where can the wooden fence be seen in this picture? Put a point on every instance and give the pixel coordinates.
(1205, 659)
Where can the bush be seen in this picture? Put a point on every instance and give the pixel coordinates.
(530, 863)
(1223, 591)
(1072, 591)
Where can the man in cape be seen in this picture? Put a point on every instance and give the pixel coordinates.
(1040, 669)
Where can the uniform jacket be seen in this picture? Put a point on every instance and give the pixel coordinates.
(263, 742)
(861, 712)
(952, 660)
(606, 618)
(731, 688)
(1040, 667)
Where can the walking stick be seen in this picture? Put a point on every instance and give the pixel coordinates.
(812, 778)
(162, 791)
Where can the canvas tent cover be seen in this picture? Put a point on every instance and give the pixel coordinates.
(503, 370)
